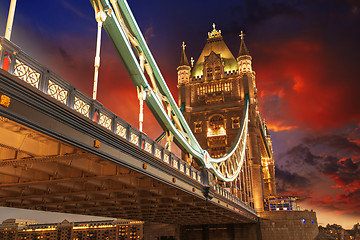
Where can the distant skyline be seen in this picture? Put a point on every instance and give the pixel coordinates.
(306, 56)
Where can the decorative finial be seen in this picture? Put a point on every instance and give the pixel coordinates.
(214, 33)
(192, 61)
(242, 35)
(183, 46)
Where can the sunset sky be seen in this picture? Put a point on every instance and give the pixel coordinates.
(306, 55)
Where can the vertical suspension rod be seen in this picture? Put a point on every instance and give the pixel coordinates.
(141, 96)
(10, 20)
(100, 17)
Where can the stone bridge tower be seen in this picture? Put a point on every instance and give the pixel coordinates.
(212, 93)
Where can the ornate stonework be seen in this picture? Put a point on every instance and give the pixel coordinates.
(213, 92)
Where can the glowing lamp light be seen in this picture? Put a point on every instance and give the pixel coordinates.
(303, 220)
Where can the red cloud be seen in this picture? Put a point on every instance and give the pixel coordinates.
(314, 91)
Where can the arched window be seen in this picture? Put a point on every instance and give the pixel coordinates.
(216, 126)
(198, 126)
(216, 122)
(235, 122)
(217, 69)
(209, 70)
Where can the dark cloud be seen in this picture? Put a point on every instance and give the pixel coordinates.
(345, 172)
(330, 181)
(302, 154)
(262, 10)
(335, 142)
(287, 181)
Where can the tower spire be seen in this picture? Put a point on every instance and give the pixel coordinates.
(183, 68)
(244, 58)
(183, 59)
(243, 49)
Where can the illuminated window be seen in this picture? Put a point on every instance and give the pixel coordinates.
(198, 126)
(216, 122)
(217, 69)
(227, 87)
(235, 122)
(209, 72)
(218, 87)
(244, 67)
(216, 126)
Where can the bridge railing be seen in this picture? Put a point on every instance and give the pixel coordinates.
(18, 63)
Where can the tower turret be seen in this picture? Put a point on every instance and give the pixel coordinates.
(245, 70)
(244, 58)
(183, 68)
(183, 71)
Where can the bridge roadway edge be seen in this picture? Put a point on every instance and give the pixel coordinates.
(30, 99)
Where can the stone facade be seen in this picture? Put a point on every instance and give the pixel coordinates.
(213, 93)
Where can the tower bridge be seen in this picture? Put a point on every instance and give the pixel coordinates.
(56, 156)
(63, 151)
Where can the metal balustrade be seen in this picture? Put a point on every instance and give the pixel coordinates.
(19, 64)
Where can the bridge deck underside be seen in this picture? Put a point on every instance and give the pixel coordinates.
(41, 173)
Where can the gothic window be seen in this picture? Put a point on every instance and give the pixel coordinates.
(183, 77)
(235, 122)
(227, 87)
(201, 90)
(209, 71)
(218, 87)
(217, 69)
(198, 126)
(216, 126)
(216, 122)
(244, 67)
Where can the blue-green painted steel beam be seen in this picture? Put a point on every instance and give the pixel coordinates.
(124, 48)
